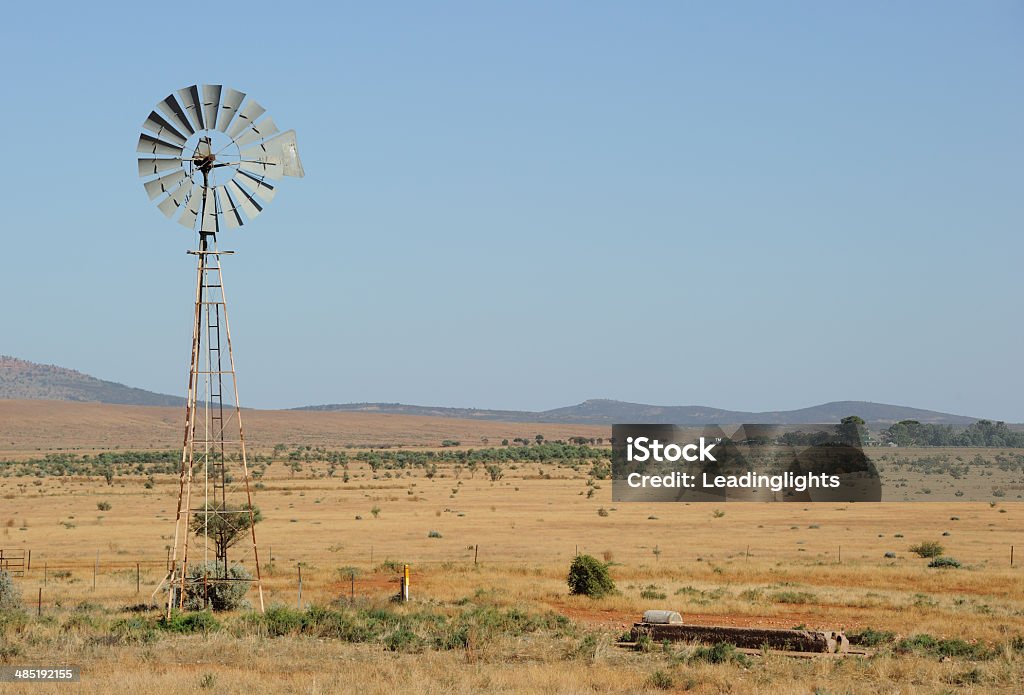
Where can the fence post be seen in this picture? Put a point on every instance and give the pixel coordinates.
(138, 577)
(39, 605)
(95, 570)
(300, 586)
(1011, 556)
(476, 552)
(405, 584)
(29, 559)
(44, 574)
(353, 578)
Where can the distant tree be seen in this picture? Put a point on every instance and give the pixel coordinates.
(494, 471)
(852, 430)
(223, 527)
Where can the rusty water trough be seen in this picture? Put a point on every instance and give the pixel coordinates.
(661, 626)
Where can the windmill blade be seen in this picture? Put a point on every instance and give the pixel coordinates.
(150, 145)
(264, 190)
(149, 166)
(178, 197)
(227, 207)
(190, 100)
(165, 183)
(211, 102)
(282, 150)
(195, 201)
(258, 131)
(172, 109)
(246, 117)
(209, 221)
(245, 201)
(157, 125)
(261, 168)
(229, 107)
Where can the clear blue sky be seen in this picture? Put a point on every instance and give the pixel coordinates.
(749, 205)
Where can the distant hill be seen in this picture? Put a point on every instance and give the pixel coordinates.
(607, 412)
(20, 379)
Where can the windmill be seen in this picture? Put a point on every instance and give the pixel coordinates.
(208, 156)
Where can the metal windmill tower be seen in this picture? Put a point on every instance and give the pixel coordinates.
(208, 154)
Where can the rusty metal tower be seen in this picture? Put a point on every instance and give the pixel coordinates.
(209, 154)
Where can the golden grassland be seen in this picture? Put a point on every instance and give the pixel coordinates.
(33, 426)
(735, 563)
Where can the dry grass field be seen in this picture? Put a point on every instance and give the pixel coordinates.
(505, 622)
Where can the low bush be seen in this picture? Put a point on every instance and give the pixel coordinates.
(794, 597)
(201, 592)
(927, 549)
(719, 653)
(201, 621)
(869, 637)
(588, 576)
(652, 593)
(10, 595)
(944, 561)
(934, 646)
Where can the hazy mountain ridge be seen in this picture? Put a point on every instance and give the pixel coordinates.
(607, 412)
(21, 379)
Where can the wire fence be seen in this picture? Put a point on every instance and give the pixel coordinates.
(49, 582)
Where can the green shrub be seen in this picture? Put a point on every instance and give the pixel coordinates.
(933, 646)
(653, 593)
(280, 620)
(588, 576)
(927, 549)
(944, 561)
(103, 506)
(719, 653)
(216, 595)
(403, 640)
(661, 680)
(133, 631)
(10, 595)
(794, 597)
(869, 637)
(201, 621)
